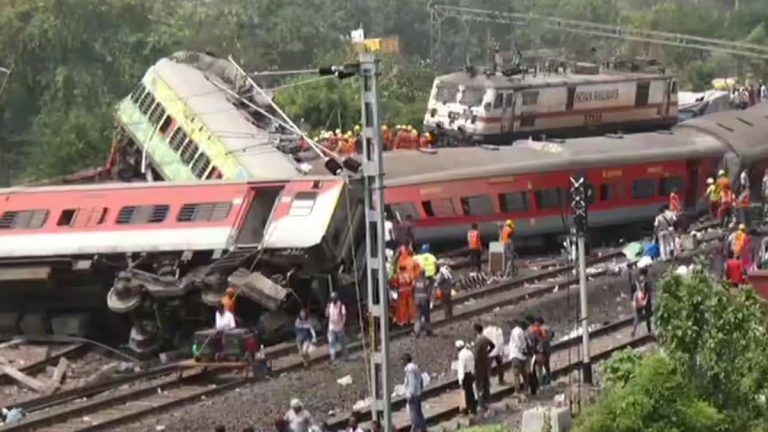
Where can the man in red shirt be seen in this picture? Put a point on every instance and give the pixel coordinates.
(735, 272)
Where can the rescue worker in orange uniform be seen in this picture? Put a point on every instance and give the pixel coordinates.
(425, 141)
(507, 231)
(475, 245)
(386, 136)
(727, 201)
(743, 204)
(229, 300)
(722, 180)
(674, 202)
(405, 309)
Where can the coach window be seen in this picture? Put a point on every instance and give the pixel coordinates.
(200, 165)
(204, 212)
(439, 208)
(146, 102)
(645, 188)
(611, 191)
(188, 152)
(67, 217)
(401, 211)
(498, 101)
(133, 215)
(302, 204)
(480, 205)
(530, 98)
(24, 219)
(178, 137)
(165, 125)
(667, 185)
(549, 198)
(138, 92)
(157, 114)
(527, 120)
(213, 174)
(513, 202)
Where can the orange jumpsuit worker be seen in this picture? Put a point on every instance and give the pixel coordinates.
(405, 309)
(229, 300)
(727, 201)
(425, 141)
(509, 249)
(475, 245)
(674, 202)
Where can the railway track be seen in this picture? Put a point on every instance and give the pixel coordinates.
(168, 387)
(441, 399)
(40, 365)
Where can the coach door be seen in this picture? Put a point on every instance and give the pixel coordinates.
(510, 105)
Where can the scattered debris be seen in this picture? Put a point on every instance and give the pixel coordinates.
(10, 343)
(104, 373)
(22, 378)
(345, 381)
(362, 405)
(58, 374)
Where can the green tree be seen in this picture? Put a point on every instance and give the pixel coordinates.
(656, 397)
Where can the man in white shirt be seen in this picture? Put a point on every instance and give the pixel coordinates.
(518, 356)
(224, 319)
(337, 319)
(465, 370)
(496, 335)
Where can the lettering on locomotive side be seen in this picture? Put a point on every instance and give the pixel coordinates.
(597, 95)
(654, 169)
(612, 173)
(430, 190)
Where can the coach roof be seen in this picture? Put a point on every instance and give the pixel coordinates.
(414, 167)
(541, 79)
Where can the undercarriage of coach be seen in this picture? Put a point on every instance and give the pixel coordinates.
(168, 298)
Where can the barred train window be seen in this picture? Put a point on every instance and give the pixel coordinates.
(480, 205)
(23, 219)
(178, 137)
(146, 102)
(157, 114)
(132, 215)
(200, 165)
(439, 208)
(204, 212)
(188, 152)
(645, 188)
(138, 92)
(530, 98)
(550, 198)
(512, 202)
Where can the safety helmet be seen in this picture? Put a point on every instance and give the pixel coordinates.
(358, 128)
(295, 403)
(459, 344)
(742, 227)
(721, 173)
(710, 181)
(425, 248)
(338, 131)
(384, 127)
(510, 223)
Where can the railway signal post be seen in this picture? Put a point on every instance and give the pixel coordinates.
(579, 213)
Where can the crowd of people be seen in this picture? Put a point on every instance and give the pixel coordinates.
(743, 97)
(398, 137)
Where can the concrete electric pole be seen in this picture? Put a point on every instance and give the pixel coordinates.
(579, 203)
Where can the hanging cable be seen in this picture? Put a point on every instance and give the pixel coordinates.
(298, 83)
(284, 72)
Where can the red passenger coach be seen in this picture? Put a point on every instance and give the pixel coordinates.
(158, 252)
(630, 177)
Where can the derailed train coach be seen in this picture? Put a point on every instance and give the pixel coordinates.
(160, 255)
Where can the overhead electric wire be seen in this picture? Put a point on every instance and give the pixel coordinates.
(284, 72)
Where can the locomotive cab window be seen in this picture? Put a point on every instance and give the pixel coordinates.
(24, 219)
(401, 211)
(133, 215)
(204, 212)
(480, 205)
(513, 202)
(439, 208)
(550, 198)
(645, 188)
(472, 96)
(642, 91)
(668, 184)
(498, 101)
(302, 203)
(530, 98)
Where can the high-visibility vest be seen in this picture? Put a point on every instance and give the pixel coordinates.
(714, 193)
(674, 203)
(473, 240)
(506, 234)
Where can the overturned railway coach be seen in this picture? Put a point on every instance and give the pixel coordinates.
(158, 253)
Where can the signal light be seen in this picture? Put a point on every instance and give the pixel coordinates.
(579, 203)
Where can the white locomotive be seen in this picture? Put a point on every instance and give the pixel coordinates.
(471, 107)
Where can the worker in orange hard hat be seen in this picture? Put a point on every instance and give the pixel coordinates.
(405, 309)
(507, 231)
